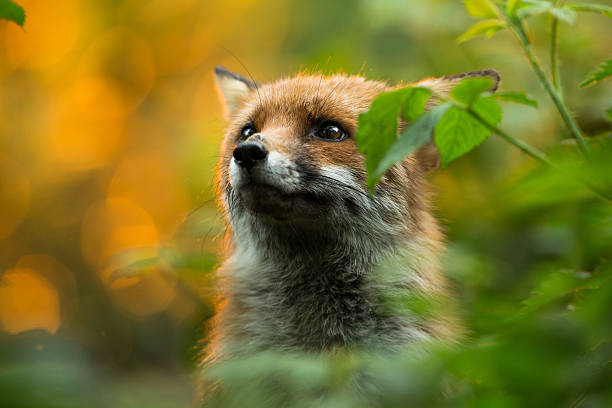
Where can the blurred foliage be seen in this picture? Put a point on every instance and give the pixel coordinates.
(604, 71)
(109, 128)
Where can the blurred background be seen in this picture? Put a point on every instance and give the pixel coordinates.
(109, 134)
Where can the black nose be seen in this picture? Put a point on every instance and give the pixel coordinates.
(247, 154)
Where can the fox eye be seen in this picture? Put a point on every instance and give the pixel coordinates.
(332, 131)
(247, 131)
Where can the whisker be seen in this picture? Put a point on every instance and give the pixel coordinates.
(245, 68)
(335, 182)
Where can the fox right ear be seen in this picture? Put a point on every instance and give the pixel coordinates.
(233, 89)
(428, 155)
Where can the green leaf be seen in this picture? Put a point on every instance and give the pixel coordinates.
(377, 128)
(486, 27)
(609, 114)
(554, 286)
(458, 131)
(516, 97)
(12, 12)
(470, 89)
(414, 102)
(417, 134)
(595, 8)
(604, 71)
(481, 8)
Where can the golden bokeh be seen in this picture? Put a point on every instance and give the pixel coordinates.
(150, 180)
(53, 30)
(59, 276)
(112, 227)
(28, 301)
(78, 142)
(125, 60)
(115, 234)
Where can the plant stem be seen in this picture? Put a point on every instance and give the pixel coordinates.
(570, 122)
(554, 62)
(530, 150)
(538, 155)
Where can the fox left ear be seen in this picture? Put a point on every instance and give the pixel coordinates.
(233, 89)
(428, 155)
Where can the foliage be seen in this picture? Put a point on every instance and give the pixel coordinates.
(473, 115)
(604, 71)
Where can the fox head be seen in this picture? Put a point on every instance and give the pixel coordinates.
(289, 163)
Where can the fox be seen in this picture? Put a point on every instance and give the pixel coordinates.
(313, 257)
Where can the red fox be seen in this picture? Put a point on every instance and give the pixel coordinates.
(313, 256)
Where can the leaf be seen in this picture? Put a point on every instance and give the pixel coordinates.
(516, 97)
(554, 286)
(458, 131)
(414, 102)
(470, 89)
(377, 128)
(481, 8)
(412, 138)
(12, 12)
(609, 114)
(486, 27)
(564, 14)
(595, 8)
(604, 71)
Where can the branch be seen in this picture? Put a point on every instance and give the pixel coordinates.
(570, 122)
(538, 155)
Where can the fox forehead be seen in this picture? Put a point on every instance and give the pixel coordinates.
(293, 102)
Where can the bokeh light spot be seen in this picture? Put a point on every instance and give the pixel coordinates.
(27, 302)
(153, 182)
(123, 58)
(59, 276)
(117, 233)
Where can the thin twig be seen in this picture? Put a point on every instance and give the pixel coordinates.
(530, 150)
(554, 61)
(570, 122)
(538, 155)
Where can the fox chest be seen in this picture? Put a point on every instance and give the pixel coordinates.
(312, 312)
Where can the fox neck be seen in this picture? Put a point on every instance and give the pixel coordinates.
(316, 290)
(320, 245)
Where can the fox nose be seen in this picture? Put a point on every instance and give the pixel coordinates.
(248, 154)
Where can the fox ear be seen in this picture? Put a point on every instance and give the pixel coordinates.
(428, 155)
(444, 85)
(233, 89)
